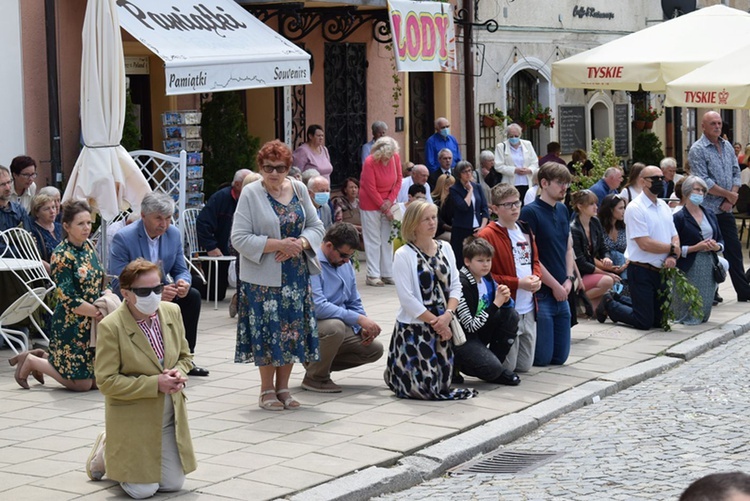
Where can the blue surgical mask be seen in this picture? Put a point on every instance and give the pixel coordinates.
(696, 198)
(514, 141)
(322, 198)
(445, 132)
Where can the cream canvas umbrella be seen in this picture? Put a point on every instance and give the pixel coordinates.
(652, 57)
(105, 175)
(724, 83)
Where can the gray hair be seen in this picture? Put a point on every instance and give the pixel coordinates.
(611, 171)
(294, 171)
(514, 126)
(315, 181)
(688, 185)
(378, 126)
(667, 162)
(420, 168)
(240, 175)
(49, 191)
(157, 203)
(486, 155)
(5, 169)
(437, 121)
(462, 166)
(440, 153)
(384, 149)
(309, 174)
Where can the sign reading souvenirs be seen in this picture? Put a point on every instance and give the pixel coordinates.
(213, 45)
(424, 38)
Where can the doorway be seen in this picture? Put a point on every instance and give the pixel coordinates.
(421, 114)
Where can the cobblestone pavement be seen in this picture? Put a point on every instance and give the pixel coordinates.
(647, 442)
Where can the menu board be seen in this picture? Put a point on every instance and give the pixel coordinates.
(622, 130)
(572, 120)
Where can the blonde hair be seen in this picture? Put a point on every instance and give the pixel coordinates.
(38, 202)
(443, 184)
(412, 217)
(253, 176)
(384, 149)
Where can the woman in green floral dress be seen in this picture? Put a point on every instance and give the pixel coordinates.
(78, 275)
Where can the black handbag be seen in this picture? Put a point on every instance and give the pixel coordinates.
(720, 274)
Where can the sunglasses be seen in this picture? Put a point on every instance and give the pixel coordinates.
(654, 178)
(146, 291)
(281, 168)
(345, 256)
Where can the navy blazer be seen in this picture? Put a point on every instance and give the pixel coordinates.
(462, 213)
(690, 233)
(131, 243)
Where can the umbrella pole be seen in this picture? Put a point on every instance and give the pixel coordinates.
(105, 249)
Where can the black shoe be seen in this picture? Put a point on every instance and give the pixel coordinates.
(457, 378)
(508, 378)
(601, 308)
(198, 371)
(743, 299)
(717, 298)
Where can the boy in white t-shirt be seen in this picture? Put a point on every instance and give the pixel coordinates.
(515, 264)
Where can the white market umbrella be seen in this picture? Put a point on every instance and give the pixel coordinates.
(724, 83)
(650, 58)
(105, 175)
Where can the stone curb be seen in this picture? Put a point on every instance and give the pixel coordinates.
(436, 459)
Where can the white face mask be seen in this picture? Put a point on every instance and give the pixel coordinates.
(148, 305)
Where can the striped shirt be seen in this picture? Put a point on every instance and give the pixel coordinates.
(153, 334)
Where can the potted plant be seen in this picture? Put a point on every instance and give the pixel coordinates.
(494, 119)
(534, 116)
(647, 116)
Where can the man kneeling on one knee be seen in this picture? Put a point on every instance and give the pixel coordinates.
(347, 336)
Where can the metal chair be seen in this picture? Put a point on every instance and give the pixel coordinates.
(21, 309)
(21, 257)
(197, 253)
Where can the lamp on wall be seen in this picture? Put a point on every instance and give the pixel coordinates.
(515, 54)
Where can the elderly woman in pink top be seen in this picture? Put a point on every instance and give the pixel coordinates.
(379, 186)
(313, 154)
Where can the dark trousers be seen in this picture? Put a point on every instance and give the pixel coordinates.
(457, 243)
(733, 254)
(483, 353)
(644, 310)
(522, 189)
(190, 308)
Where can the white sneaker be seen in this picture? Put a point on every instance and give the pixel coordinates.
(95, 463)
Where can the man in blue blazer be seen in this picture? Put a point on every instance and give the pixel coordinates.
(155, 239)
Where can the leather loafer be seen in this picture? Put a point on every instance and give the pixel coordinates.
(198, 371)
(508, 378)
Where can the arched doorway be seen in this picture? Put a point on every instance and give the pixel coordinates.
(528, 81)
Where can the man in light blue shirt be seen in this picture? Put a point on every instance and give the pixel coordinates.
(440, 140)
(608, 184)
(347, 336)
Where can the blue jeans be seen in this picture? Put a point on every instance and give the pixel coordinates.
(645, 312)
(552, 330)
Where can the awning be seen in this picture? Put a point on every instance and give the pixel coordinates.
(213, 45)
(652, 57)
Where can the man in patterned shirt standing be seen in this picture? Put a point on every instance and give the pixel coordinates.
(712, 159)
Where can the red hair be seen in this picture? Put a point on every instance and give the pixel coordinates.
(275, 151)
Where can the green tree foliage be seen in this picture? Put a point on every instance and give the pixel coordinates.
(131, 136)
(227, 146)
(602, 156)
(647, 148)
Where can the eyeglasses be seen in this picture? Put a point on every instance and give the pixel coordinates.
(510, 205)
(561, 184)
(345, 256)
(654, 178)
(146, 291)
(281, 168)
(28, 176)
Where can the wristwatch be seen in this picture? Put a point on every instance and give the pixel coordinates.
(305, 243)
(572, 278)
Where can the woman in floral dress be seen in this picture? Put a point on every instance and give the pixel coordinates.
(78, 275)
(420, 356)
(276, 231)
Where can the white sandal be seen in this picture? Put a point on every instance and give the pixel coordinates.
(290, 402)
(270, 404)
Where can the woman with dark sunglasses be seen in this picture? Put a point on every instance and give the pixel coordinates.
(142, 358)
(78, 275)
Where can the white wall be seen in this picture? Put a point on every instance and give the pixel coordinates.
(12, 139)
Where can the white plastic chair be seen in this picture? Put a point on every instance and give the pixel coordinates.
(21, 309)
(197, 253)
(21, 257)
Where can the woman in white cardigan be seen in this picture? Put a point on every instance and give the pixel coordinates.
(420, 357)
(516, 160)
(275, 231)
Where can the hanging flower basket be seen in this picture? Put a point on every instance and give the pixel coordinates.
(648, 125)
(534, 116)
(494, 119)
(639, 124)
(488, 121)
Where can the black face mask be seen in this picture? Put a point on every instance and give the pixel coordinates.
(657, 187)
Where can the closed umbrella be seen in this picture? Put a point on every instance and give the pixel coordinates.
(650, 58)
(105, 175)
(724, 83)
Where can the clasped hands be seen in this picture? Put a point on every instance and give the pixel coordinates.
(442, 325)
(171, 381)
(290, 247)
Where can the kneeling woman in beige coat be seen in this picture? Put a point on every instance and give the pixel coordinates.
(141, 361)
